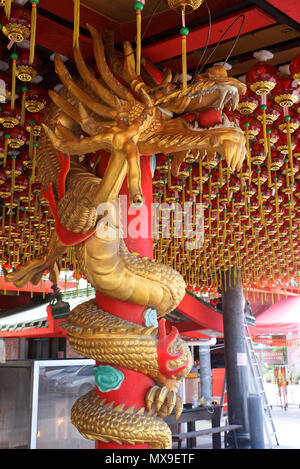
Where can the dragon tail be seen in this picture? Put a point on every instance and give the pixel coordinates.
(32, 271)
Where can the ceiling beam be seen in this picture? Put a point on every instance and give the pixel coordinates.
(171, 47)
(205, 316)
(284, 11)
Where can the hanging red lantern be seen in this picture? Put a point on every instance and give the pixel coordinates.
(261, 78)
(36, 98)
(175, 184)
(247, 103)
(282, 145)
(26, 71)
(254, 125)
(295, 67)
(294, 122)
(3, 177)
(296, 151)
(5, 190)
(17, 137)
(183, 172)
(14, 165)
(276, 161)
(291, 170)
(283, 93)
(170, 196)
(17, 26)
(272, 113)
(162, 163)
(33, 123)
(9, 117)
(258, 155)
(273, 135)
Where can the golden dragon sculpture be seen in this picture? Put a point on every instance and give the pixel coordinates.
(128, 116)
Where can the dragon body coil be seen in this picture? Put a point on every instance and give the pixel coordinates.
(90, 115)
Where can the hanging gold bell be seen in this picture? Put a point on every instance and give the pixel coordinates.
(186, 5)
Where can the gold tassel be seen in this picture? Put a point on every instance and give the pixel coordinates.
(248, 151)
(138, 6)
(169, 172)
(290, 149)
(190, 181)
(7, 137)
(200, 175)
(277, 208)
(34, 145)
(33, 30)
(32, 122)
(165, 189)
(183, 194)
(184, 31)
(14, 58)
(13, 174)
(3, 218)
(30, 189)
(23, 109)
(7, 8)
(269, 158)
(264, 122)
(76, 23)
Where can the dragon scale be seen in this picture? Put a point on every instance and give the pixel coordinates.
(126, 120)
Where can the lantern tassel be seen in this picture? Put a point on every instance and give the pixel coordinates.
(5, 149)
(23, 109)
(248, 155)
(13, 174)
(76, 23)
(3, 219)
(34, 144)
(13, 80)
(138, 6)
(184, 32)
(33, 30)
(7, 8)
(289, 142)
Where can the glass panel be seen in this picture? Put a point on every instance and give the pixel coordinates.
(59, 387)
(15, 408)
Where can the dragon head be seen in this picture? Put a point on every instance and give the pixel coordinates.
(194, 120)
(143, 118)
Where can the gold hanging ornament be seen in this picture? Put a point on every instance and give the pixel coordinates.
(183, 7)
(14, 58)
(138, 6)
(76, 23)
(7, 7)
(33, 29)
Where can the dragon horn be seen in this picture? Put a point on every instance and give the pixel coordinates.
(71, 86)
(104, 70)
(103, 93)
(64, 105)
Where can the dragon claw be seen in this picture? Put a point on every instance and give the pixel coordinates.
(163, 401)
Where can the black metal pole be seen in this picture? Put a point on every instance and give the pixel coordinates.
(205, 372)
(255, 412)
(236, 363)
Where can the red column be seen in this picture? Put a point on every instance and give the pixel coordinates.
(135, 385)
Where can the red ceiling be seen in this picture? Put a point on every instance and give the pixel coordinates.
(290, 8)
(254, 19)
(161, 40)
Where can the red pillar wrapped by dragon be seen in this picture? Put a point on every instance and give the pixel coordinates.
(139, 364)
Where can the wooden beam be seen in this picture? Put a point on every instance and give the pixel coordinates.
(171, 47)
